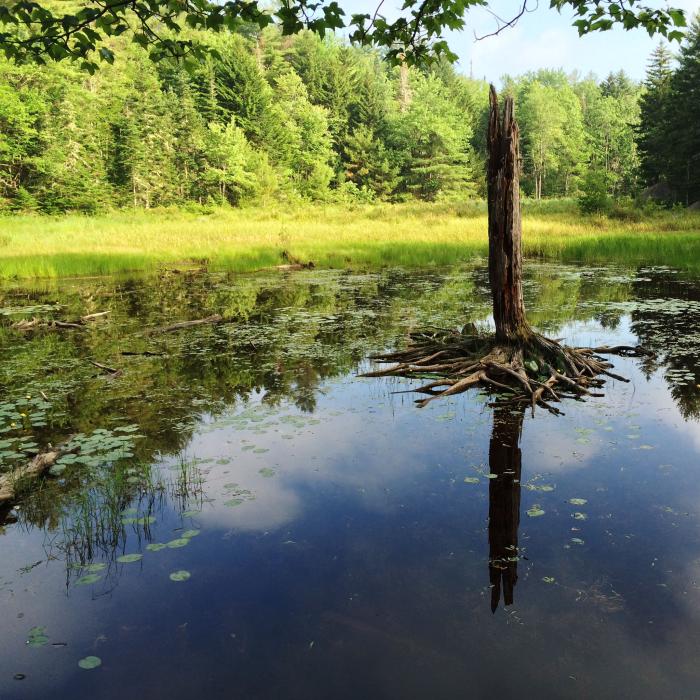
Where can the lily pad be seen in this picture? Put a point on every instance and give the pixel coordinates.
(156, 546)
(129, 558)
(179, 542)
(578, 501)
(579, 516)
(95, 567)
(181, 575)
(548, 579)
(471, 480)
(87, 580)
(188, 534)
(37, 637)
(535, 511)
(266, 472)
(90, 662)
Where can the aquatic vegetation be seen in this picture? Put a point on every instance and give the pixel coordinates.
(37, 637)
(129, 558)
(181, 575)
(156, 546)
(90, 662)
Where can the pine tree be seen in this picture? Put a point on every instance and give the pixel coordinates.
(653, 141)
(370, 164)
(683, 122)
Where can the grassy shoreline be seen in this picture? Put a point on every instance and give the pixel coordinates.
(367, 236)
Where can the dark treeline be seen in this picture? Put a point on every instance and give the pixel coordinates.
(669, 133)
(302, 118)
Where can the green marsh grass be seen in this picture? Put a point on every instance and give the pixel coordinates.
(361, 236)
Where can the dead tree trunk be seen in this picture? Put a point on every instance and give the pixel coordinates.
(519, 364)
(505, 226)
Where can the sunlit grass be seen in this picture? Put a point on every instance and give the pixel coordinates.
(413, 234)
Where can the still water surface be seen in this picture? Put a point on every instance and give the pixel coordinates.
(300, 532)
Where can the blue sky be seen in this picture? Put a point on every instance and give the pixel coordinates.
(541, 39)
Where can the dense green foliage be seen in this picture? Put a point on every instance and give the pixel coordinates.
(271, 117)
(670, 124)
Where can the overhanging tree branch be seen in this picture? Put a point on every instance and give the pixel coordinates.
(31, 32)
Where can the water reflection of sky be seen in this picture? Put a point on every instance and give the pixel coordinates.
(359, 566)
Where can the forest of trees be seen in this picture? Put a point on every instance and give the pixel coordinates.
(669, 133)
(304, 118)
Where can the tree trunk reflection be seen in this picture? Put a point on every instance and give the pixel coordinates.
(504, 503)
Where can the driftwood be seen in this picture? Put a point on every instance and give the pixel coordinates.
(144, 353)
(105, 368)
(95, 316)
(40, 464)
(78, 324)
(209, 320)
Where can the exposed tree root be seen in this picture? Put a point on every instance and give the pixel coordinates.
(535, 371)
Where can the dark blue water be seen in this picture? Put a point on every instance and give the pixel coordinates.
(340, 552)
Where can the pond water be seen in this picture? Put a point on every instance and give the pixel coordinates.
(246, 517)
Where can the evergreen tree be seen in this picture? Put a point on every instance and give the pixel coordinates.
(370, 165)
(653, 137)
(683, 121)
(144, 165)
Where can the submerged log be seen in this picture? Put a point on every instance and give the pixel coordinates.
(25, 324)
(41, 463)
(209, 320)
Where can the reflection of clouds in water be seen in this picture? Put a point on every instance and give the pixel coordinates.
(377, 448)
(341, 451)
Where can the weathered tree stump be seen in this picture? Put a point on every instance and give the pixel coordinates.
(517, 362)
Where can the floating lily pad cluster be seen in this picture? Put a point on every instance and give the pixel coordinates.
(17, 419)
(99, 447)
(236, 495)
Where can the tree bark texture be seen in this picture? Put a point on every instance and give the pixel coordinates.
(505, 226)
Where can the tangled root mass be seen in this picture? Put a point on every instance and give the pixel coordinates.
(536, 370)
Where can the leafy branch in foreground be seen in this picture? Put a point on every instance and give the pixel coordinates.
(31, 31)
